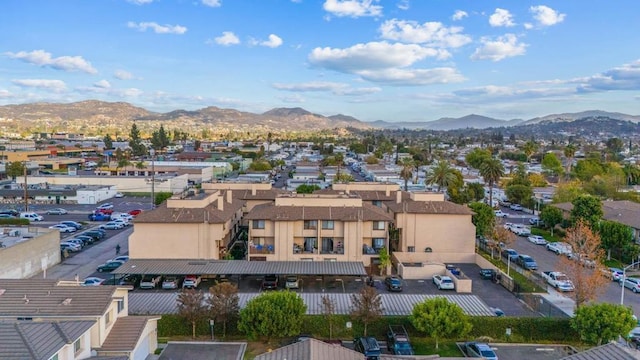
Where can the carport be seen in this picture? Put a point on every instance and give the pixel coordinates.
(214, 268)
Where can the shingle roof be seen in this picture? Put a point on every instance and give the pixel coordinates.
(38, 340)
(367, 212)
(240, 267)
(311, 349)
(624, 212)
(428, 207)
(45, 298)
(209, 214)
(610, 351)
(125, 334)
(366, 195)
(271, 194)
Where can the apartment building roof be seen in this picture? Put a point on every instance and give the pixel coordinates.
(365, 195)
(611, 351)
(367, 212)
(311, 349)
(625, 212)
(48, 298)
(210, 213)
(125, 334)
(428, 207)
(240, 267)
(38, 340)
(270, 194)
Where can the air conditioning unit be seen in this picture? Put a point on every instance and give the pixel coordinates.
(14, 232)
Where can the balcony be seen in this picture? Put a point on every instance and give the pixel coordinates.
(262, 249)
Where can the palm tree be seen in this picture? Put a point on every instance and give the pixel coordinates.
(406, 172)
(491, 170)
(530, 148)
(569, 153)
(442, 174)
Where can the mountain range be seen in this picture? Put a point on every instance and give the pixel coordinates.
(92, 114)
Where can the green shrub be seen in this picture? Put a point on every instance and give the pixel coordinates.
(14, 222)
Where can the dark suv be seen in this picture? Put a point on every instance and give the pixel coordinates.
(393, 283)
(270, 282)
(367, 346)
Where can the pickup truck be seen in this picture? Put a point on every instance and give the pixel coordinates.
(560, 248)
(558, 280)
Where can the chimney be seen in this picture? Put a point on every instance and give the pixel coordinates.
(229, 196)
(220, 203)
(388, 191)
(398, 197)
(253, 190)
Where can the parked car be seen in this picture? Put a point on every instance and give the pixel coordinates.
(515, 207)
(104, 211)
(393, 283)
(77, 242)
(98, 216)
(123, 258)
(443, 282)
(94, 233)
(63, 228)
(71, 247)
(527, 262)
(631, 283)
(74, 224)
(135, 212)
(106, 206)
(170, 282)
(121, 221)
(7, 216)
(150, 281)
(14, 213)
(191, 281)
(112, 225)
(368, 346)
(87, 239)
(612, 273)
(92, 281)
(292, 282)
(124, 216)
(31, 216)
(57, 211)
(270, 282)
(487, 274)
(535, 221)
(537, 239)
(479, 350)
(109, 266)
(559, 247)
(501, 214)
(510, 254)
(130, 280)
(119, 195)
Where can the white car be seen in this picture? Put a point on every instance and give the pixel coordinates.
(121, 221)
(292, 282)
(443, 282)
(63, 228)
(112, 225)
(125, 216)
(537, 239)
(105, 206)
(515, 207)
(119, 195)
(501, 214)
(522, 231)
(559, 248)
(92, 281)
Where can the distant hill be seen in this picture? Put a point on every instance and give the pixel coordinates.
(470, 121)
(583, 114)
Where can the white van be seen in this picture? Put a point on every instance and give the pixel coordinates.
(31, 216)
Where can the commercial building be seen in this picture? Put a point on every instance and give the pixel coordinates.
(27, 250)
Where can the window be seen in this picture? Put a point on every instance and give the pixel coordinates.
(54, 357)
(107, 318)
(258, 224)
(327, 245)
(120, 306)
(378, 225)
(377, 203)
(411, 249)
(76, 346)
(310, 224)
(378, 243)
(327, 224)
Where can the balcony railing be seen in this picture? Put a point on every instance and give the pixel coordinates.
(262, 249)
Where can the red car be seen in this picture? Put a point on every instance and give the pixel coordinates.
(135, 212)
(104, 211)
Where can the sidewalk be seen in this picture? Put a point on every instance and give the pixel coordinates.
(564, 303)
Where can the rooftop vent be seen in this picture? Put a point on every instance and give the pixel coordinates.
(66, 302)
(2, 291)
(26, 300)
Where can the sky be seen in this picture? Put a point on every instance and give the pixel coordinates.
(392, 60)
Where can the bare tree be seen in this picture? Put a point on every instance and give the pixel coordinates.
(223, 304)
(501, 237)
(328, 308)
(583, 266)
(366, 306)
(191, 307)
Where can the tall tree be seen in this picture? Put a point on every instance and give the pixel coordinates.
(551, 165)
(502, 238)
(191, 307)
(223, 304)
(568, 191)
(476, 157)
(328, 309)
(14, 169)
(529, 149)
(440, 319)
(442, 174)
(491, 171)
(569, 153)
(135, 142)
(551, 216)
(603, 322)
(272, 314)
(584, 265)
(366, 306)
(587, 208)
(406, 173)
(614, 236)
(108, 142)
(483, 218)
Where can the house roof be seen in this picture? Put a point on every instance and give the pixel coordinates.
(610, 351)
(625, 212)
(46, 298)
(38, 340)
(240, 267)
(311, 349)
(209, 213)
(366, 212)
(125, 334)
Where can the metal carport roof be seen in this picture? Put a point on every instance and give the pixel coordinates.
(240, 267)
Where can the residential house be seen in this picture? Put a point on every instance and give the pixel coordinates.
(625, 212)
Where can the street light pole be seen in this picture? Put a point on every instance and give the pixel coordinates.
(26, 194)
(152, 152)
(624, 277)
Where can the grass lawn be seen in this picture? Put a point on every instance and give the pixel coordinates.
(521, 280)
(446, 348)
(545, 234)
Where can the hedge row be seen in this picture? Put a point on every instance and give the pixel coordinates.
(523, 329)
(14, 222)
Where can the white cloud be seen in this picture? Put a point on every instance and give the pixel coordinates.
(499, 49)
(625, 77)
(352, 8)
(501, 17)
(123, 75)
(212, 3)
(65, 63)
(226, 39)
(292, 99)
(459, 15)
(273, 42)
(52, 85)
(157, 28)
(333, 87)
(395, 76)
(403, 5)
(546, 16)
(373, 55)
(5, 94)
(104, 84)
(528, 26)
(140, 2)
(431, 33)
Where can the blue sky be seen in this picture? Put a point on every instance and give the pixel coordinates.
(395, 60)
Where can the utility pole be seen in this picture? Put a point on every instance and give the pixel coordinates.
(26, 195)
(152, 152)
